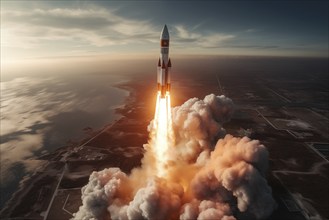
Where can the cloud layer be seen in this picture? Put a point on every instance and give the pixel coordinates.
(211, 40)
(46, 32)
(48, 29)
(95, 27)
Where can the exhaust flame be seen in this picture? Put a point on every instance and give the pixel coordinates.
(163, 138)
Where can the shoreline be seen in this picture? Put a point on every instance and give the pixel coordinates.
(58, 156)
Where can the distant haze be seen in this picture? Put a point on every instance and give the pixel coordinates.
(125, 68)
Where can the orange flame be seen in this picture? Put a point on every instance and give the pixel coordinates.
(163, 133)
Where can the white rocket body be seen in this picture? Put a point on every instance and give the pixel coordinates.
(164, 64)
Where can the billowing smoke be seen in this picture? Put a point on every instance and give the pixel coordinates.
(208, 175)
(198, 124)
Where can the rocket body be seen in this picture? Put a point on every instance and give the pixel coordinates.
(164, 64)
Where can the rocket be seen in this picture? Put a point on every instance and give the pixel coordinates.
(164, 64)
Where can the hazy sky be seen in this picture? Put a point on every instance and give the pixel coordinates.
(38, 29)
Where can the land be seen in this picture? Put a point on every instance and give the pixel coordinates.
(289, 115)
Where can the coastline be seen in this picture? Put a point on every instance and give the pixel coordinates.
(59, 157)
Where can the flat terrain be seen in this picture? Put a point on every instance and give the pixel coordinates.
(288, 113)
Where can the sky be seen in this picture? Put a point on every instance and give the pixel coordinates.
(129, 29)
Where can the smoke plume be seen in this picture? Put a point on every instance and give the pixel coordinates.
(209, 175)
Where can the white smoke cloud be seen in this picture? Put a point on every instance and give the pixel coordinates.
(159, 199)
(206, 180)
(236, 167)
(198, 124)
(103, 187)
(206, 209)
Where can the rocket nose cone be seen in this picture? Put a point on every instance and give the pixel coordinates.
(164, 33)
